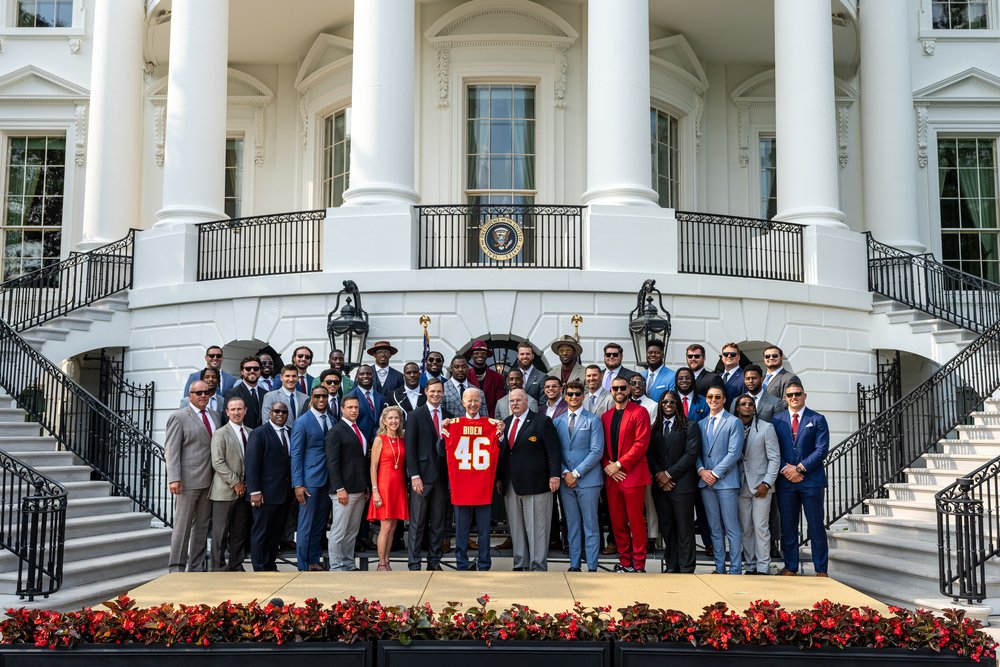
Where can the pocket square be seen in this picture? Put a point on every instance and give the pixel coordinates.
(808, 425)
(533, 438)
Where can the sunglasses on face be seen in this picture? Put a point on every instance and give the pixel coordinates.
(321, 397)
(793, 394)
(200, 392)
(331, 381)
(278, 412)
(303, 356)
(694, 356)
(670, 402)
(571, 394)
(729, 354)
(612, 354)
(714, 397)
(619, 388)
(251, 368)
(772, 356)
(214, 356)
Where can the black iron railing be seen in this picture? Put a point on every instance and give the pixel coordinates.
(726, 245)
(263, 245)
(499, 236)
(132, 401)
(60, 288)
(879, 451)
(32, 526)
(118, 452)
(925, 284)
(968, 523)
(875, 399)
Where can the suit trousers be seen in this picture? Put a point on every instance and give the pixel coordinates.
(427, 515)
(755, 516)
(464, 516)
(311, 526)
(675, 512)
(266, 533)
(794, 499)
(344, 530)
(625, 505)
(530, 520)
(580, 508)
(722, 509)
(231, 521)
(189, 539)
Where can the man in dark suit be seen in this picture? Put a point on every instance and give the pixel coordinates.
(777, 378)
(613, 356)
(673, 451)
(804, 439)
(347, 463)
(425, 466)
(188, 454)
(269, 484)
(310, 478)
(385, 379)
(766, 405)
(213, 359)
(732, 373)
(626, 439)
(434, 368)
(480, 375)
(528, 475)
(370, 401)
(532, 377)
(302, 358)
(703, 378)
(410, 395)
(248, 389)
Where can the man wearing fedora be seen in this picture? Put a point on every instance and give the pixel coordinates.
(569, 352)
(480, 375)
(387, 379)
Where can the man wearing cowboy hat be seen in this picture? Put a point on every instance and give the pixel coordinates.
(487, 379)
(387, 379)
(569, 352)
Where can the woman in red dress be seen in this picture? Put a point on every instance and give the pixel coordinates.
(388, 473)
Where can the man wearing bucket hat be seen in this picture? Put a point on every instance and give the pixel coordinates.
(487, 379)
(387, 379)
(569, 352)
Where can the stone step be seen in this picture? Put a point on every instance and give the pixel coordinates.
(920, 552)
(917, 575)
(117, 302)
(97, 313)
(87, 595)
(913, 598)
(19, 428)
(76, 507)
(71, 322)
(906, 315)
(118, 523)
(12, 415)
(920, 493)
(955, 335)
(106, 567)
(47, 332)
(41, 459)
(929, 325)
(96, 546)
(935, 477)
(65, 473)
(979, 431)
(963, 462)
(901, 509)
(893, 527)
(26, 443)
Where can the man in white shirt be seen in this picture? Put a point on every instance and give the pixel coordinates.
(638, 386)
(410, 395)
(231, 515)
(597, 400)
(287, 394)
(777, 378)
(515, 380)
(613, 356)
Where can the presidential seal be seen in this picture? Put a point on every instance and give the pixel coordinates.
(501, 238)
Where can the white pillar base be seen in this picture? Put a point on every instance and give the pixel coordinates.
(814, 215)
(378, 194)
(166, 256)
(835, 257)
(647, 236)
(622, 195)
(370, 238)
(170, 216)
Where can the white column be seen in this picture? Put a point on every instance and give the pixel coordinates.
(888, 126)
(805, 115)
(195, 144)
(618, 153)
(111, 193)
(382, 106)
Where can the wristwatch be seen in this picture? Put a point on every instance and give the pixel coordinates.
(801, 468)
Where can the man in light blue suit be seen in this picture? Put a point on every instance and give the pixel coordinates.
(718, 467)
(213, 359)
(310, 478)
(581, 441)
(658, 377)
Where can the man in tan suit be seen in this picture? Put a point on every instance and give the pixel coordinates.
(187, 449)
(231, 514)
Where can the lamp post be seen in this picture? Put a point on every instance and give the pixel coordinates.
(646, 323)
(348, 327)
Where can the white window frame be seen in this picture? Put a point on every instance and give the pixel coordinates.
(321, 150)
(759, 134)
(239, 128)
(669, 111)
(929, 35)
(245, 181)
(9, 29)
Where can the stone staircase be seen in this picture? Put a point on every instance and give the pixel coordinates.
(891, 552)
(102, 324)
(896, 326)
(109, 547)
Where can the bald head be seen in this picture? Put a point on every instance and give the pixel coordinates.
(518, 402)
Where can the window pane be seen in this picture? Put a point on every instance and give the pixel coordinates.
(336, 157)
(948, 178)
(500, 173)
(523, 102)
(940, 15)
(479, 136)
(500, 137)
(479, 102)
(968, 153)
(500, 142)
(950, 218)
(15, 211)
(500, 102)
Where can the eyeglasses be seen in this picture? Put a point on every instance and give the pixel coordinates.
(794, 394)
(619, 388)
(276, 411)
(200, 392)
(729, 354)
(612, 354)
(571, 394)
(214, 356)
(694, 356)
(772, 356)
(251, 368)
(715, 397)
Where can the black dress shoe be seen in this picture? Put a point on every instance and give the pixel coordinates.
(573, 569)
(434, 568)
(641, 570)
(709, 551)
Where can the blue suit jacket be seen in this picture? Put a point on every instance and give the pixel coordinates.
(664, 380)
(267, 465)
(583, 450)
(734, 387)
(308, 452)
(722, 451)
(809, 448)
(368, 420)
(226, 382)
(697, 410)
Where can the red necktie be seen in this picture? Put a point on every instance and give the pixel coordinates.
(368, 396)
(685, 404)
(357, 432)
(204, 418)
(437, 424)
(302, 385)
(795, 425)
(513, 432)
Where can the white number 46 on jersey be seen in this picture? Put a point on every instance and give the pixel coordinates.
(473, 453)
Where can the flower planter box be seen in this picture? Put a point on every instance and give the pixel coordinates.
(498, 654)
(685, 655)
(305, 654)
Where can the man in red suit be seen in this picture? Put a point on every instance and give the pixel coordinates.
(626, 439)
(484, 377)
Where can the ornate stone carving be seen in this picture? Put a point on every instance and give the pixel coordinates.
(843, 121)
(443, 72)
(304, 113)
(74, 44)
(159, 130)
(744, 135)
(929, 45)
(562, 64)
(921, 112)
(699, 117)
(80, 143)
(258, 136)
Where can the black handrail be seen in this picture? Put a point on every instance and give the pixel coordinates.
(32, 526)
(922, 283)
(119, 452)
(57, 289)
(727, 245)
(913, 426)
(262, 245)
(875, 399)
(132, 401)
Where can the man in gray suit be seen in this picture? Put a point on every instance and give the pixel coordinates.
(533, 378)
(287, 394)
(188, 453)
(231, 514)
(597, 400)
(766, 404)
(761, 459)
(515, 380)
(777, 378)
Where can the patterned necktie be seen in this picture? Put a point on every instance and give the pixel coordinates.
(324, 423)
(795, 425)
(208, 426)
(767, 379)
(244, 436)
(725, 377)
(572, 422)
(368, 397)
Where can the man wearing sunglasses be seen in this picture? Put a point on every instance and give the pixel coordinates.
(694, 357)
(613, 366)
(213, 359)
(311, 479)
(804, 439)
(248, 390)
(776, 378)
(732, 374)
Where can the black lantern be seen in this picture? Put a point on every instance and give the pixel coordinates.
(646, 323)
(348, 328)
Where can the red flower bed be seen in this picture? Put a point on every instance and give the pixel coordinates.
(826, 625)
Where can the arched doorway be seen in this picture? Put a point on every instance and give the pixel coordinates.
(503, 352)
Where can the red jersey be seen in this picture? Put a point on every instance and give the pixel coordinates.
(472, 453)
